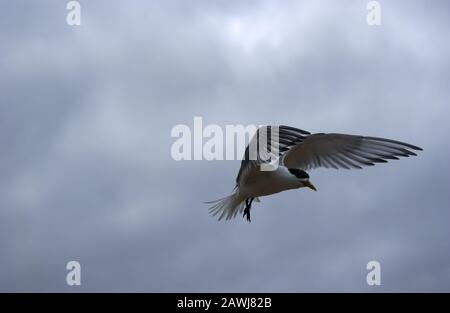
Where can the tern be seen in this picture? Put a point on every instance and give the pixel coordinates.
(295, 152)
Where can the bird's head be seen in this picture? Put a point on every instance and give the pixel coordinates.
(308, 184)
(303, 177)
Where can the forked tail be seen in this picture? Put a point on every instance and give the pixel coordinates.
(227, 207)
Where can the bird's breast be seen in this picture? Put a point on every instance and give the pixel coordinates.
(267, 183)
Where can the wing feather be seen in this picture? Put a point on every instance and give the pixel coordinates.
(345, 151)
(279, 140)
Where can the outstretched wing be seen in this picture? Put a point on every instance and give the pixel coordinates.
(344, 151)
(270, 143)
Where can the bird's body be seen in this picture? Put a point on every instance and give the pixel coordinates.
(295, 151)
(257, 183)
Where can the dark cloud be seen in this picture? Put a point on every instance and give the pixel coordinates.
(86, 172)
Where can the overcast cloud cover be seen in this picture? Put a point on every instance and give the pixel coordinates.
(86, 173)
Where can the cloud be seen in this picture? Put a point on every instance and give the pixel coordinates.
(86, 115)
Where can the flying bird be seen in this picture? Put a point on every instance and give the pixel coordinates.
(295, 152)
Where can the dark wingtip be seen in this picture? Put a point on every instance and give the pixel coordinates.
(415, 147)
(394, 142)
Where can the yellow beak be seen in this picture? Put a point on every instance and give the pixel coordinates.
(308, 184)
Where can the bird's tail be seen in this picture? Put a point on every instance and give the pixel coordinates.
(227, 207)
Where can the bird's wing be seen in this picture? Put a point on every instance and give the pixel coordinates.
(275, 140)
(344, 151)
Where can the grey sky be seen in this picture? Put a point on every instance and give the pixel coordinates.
(86, 172)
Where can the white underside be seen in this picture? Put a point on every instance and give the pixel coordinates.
(254, 183)
(264, 183)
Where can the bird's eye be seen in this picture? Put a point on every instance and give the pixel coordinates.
(303, 174)
(299, 173)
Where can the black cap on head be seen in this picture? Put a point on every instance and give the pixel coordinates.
(299, 173)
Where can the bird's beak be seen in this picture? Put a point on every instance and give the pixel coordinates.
(308, 184)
